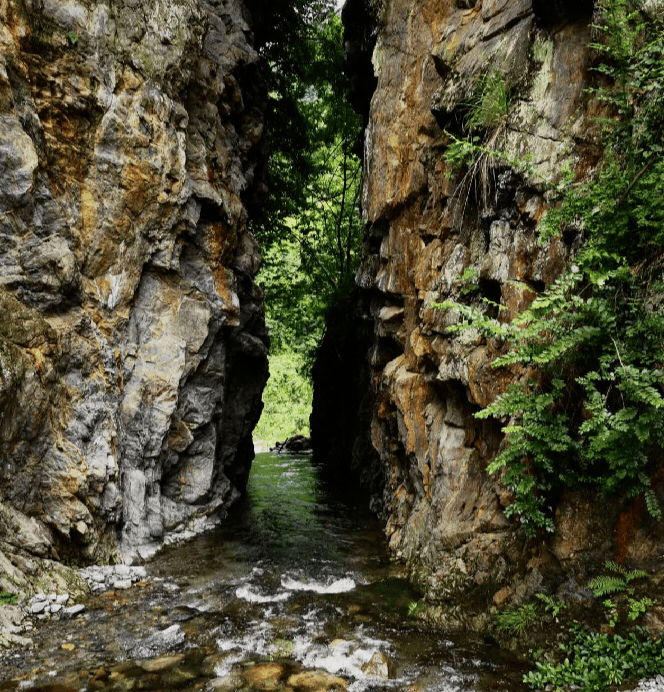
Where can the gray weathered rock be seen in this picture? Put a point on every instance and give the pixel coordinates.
(158, 643)
(132, 338)
(72, 611)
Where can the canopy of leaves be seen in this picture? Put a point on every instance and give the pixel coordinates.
(309, 229)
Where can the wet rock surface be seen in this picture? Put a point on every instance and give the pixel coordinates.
(132, 339)
(297, 444)
(105, 577)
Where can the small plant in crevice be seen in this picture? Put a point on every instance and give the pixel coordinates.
(7, 598)
(611, 612)
(481, 150)
(516, 621)
(615, 583)
(638, 607)
(468, 281)
(551, 605)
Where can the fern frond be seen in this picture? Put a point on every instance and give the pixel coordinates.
(604, 585)
(626, 574)
(615, 567)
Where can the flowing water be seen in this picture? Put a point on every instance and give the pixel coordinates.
(293, 592)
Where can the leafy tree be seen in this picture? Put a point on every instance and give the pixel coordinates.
(309, 228)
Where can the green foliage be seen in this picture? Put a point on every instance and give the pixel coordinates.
(612, 612)
(595, 661)
(294, 311)
(608, 584)
(468, 279)
(551, 605)
(605, 584)
(588, 408)
(638, 607)
(311, 129)
(287, 400)
(72, 38)
(518, 620)
(624, 197)
(597, 344)
(309, 228)
(288, 37)
(7, 598)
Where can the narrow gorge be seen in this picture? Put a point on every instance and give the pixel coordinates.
(133, 343)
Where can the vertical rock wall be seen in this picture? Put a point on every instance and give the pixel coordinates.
(426, 225)
(132, 339)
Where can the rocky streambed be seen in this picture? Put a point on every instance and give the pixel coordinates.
(294, 592)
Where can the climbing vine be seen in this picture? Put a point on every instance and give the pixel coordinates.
(589, 409)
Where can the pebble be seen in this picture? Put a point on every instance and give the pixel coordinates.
(43, 606)
(102, 578)
(72, 611)
(38, 607)
(653, 685)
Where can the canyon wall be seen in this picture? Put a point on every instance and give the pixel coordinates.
(416, 67)
(133, 349)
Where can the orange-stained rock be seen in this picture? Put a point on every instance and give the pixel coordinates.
(438, 234)
(266, 676)
(125, 265)
(316, 681)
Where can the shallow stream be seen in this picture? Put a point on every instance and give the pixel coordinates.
(293, 592)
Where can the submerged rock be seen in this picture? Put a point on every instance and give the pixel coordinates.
(158, 643)
(379, 666)
(266, 676)
(316, 681)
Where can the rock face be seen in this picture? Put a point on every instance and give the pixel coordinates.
(132, 339)
(342, 406)
(426, 226)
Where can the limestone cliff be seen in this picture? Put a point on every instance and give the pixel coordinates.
(132, 339)
(426, 225)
